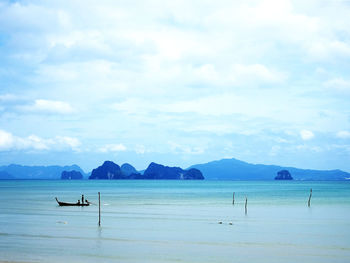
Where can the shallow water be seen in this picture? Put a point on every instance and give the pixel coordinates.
(175, 221)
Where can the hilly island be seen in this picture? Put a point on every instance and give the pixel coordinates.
(225, 169)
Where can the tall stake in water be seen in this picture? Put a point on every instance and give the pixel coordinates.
(308, 202)
(99, 209)
(233, 198)
(246, 201)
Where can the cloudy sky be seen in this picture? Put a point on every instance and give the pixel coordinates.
(176, 82)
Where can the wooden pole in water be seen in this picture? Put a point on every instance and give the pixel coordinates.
(246, 201)
(99, 209)
(233, 198)
(308, 202)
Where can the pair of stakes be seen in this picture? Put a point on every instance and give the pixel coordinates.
(245, 205)
(246, 201)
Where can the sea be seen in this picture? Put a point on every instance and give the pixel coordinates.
(175, 221)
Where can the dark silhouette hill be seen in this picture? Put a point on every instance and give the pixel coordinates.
(110, 170)
(159, 172)
(71, 175)
(128, 169)
(283, 175)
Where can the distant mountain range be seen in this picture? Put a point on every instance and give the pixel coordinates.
(15, 171)
(233, 169)
(225, 169)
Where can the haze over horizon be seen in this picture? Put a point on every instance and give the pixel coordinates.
(175, 82)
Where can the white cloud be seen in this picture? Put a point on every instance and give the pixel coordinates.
(34, 142)
(6, 140)
(47, 106)
(214, 105)
(306, 135)
(257, 71)
(343, 134)
(135, 106)
(324, 49)
(73, 143)
(226, 104)
(52, 106)
(186, 149)
(338, 84)
(235, 74)
(112, 148)
(10, 142)
(14, 103)
(281, 140)
(215, 128)
(308, 148)
(140, 149)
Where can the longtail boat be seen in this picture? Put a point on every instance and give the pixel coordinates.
(71, 204)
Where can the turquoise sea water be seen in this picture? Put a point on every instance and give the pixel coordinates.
(175, 221)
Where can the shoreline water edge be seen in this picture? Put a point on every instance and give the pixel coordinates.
(164, 221)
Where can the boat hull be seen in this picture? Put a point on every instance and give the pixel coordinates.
(70, 204)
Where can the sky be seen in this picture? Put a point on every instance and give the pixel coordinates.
(175, 82)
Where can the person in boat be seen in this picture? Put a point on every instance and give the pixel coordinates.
(82, 199)
(78, 202)
(86, 201)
